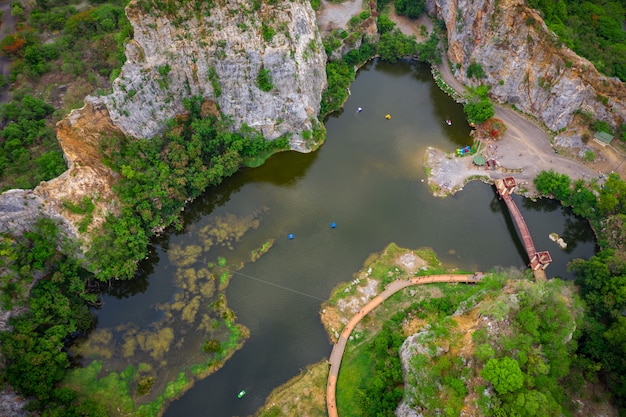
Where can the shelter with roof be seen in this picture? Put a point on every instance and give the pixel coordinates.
(602, 138)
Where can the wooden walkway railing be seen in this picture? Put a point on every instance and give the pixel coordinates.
(538, 261)
(337, 353)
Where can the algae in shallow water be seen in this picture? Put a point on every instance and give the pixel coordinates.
(228, 229)
(156, 343)
(184, 255)
(191, 309)
(99, 344)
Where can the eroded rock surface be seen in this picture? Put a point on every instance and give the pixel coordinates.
(218, 55)
(525, 63)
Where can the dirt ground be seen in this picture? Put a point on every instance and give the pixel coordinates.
(332, 16)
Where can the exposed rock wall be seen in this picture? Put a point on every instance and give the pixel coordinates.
(525, 63)
(218, 54)
(79, 134)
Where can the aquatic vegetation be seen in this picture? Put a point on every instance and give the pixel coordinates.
(224, 280)
(156, 343)
(257, 253)
(196, 326)
(212, 346)
(98, 344)
(144, 385)
(207, 289)
(208, 323)
(130, 344)
(181, 256)
(113, 389)
(191, 309)
(172, 390)
(187, 279)
(228, 229)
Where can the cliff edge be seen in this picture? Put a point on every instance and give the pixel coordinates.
(214, 51)
(525, 63)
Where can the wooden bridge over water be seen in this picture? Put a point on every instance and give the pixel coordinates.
(538, 261)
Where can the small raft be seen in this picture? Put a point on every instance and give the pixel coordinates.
(241, 393)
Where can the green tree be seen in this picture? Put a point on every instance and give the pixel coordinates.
(613, 195)
(504, 374)
(385, 24)
(530, 403)
(475, 70)
(479, 111)
(411, 8)
(552, 183)
(616, 335)
(395, 45)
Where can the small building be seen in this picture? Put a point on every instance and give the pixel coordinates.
(602, 138)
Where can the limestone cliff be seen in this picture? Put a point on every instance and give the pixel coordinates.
(525, 63)
(79, 135)
(218, 54)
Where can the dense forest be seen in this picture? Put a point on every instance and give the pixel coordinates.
(58, 46)
(77, 48)
(593, 29)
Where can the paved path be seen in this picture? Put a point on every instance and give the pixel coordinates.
(337, 352)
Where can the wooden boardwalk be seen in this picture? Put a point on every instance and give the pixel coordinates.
(537, 261)
(337, 353)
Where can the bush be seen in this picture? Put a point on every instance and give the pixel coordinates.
(475, 70)
(410, 8)
(479, 111)
(396, 45)
(385, 24)
(264, 80)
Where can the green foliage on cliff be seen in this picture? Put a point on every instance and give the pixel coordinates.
(602, 279)
(159, 175)
(71, 47)
(34, 349)
(521, 351)
(264, 80)
(410, 8)
(593, 29)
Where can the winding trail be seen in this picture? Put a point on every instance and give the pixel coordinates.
(337, 353)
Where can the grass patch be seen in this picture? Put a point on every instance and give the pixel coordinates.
(113, 389)
(356, 364)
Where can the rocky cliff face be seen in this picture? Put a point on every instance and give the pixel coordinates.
(218, 54)
(525, 63)
(79, 135)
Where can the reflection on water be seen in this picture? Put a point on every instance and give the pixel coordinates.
(368, 179)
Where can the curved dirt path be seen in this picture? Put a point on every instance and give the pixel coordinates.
(337, 353)
(523, 152)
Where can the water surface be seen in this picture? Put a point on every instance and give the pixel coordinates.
(368, 178)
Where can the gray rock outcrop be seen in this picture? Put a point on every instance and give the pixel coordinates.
(218, 55)
(525, 63)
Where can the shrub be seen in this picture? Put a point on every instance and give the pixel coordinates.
(385, 24)
(475, 70)
(410, 8)
(264, 80)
